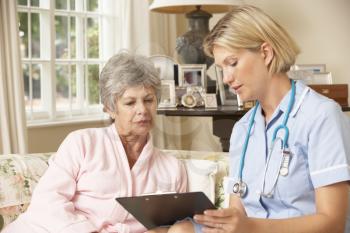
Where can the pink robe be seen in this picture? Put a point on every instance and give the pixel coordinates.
(90, 169)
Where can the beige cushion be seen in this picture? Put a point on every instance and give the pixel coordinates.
(201, 176)
(214, 178)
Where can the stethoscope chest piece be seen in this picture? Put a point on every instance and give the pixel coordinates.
(240, 188)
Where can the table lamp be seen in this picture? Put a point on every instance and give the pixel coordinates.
(189, 46)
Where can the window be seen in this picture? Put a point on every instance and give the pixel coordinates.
(64, 45)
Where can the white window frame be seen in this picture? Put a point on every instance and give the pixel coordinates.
(109, 43)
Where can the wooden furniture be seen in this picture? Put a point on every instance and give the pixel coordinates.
(224, 117)
(337, 92)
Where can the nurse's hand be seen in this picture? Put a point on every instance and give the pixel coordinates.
(230, 220)
(158, 230)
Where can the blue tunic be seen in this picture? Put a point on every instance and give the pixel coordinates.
(319, 142)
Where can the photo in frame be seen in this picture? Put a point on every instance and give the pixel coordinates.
(227, 97)
(167, 94)
(192, 75)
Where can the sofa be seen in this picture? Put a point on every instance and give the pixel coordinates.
(19, 175)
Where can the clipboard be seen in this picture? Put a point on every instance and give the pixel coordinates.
(165, 209)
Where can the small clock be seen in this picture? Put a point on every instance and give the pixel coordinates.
(188, 100)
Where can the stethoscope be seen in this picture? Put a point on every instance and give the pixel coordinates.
(240, 187)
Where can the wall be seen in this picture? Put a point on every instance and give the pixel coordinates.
(48, 138)
(320, 27)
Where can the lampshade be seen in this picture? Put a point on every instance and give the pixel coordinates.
(184, 6)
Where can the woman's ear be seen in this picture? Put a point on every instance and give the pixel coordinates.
(267, 53)
(110, 113)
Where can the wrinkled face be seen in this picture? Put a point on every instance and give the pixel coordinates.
(135, 111)
(244, 71)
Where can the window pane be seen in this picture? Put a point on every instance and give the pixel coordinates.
(92, 38)
(62, 86)
(22, 2)
(61, 4)
(23, 33)
(92, 5)
(34, 3)
(25, 68)
(93, 84)
(61, 41)
(35, 27)
(36, 83)
(72, 4)
(72, 38)
(74, 86)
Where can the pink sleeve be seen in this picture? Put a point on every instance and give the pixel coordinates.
(51, 207)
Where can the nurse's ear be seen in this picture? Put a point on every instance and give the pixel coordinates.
(267, 53)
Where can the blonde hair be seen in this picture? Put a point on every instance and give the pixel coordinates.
(248, 27)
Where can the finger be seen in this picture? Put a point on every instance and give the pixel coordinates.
(202, 219)
(212, 230)
(220, 212)
(213, 225)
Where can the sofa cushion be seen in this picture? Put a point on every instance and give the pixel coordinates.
(19, 176)
(221, 161)
(201, 176)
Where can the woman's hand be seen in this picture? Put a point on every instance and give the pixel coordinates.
(229, 220)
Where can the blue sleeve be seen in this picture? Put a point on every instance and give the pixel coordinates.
(329, 146)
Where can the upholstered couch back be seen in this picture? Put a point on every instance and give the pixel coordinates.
(19, 175)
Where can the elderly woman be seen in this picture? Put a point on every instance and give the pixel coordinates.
(94, 166)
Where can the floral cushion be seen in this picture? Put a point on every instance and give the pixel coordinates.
(19, 175)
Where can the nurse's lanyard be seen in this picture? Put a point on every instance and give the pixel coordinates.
(240, 188)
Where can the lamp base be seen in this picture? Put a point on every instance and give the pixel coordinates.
(189, 46)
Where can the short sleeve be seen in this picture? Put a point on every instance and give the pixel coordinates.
(329, 147)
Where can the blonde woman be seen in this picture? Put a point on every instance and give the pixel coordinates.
(289, 155)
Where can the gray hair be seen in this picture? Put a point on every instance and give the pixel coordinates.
(125, 70)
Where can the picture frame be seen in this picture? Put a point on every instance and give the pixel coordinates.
(305, 76)
(310, 78)
(322, 78)
(210, 101)
(164, 65)
(190, 75)
(315, 68)
(227, 97)
(167, 94)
